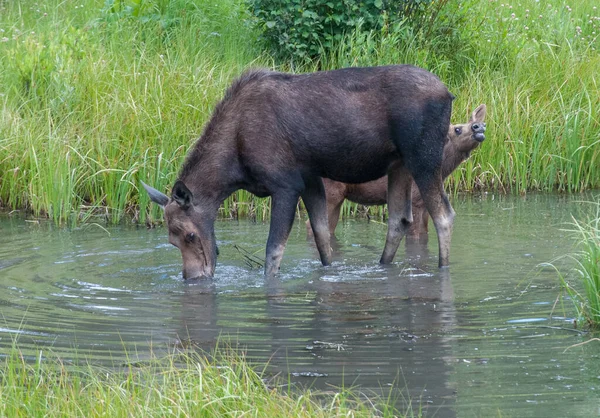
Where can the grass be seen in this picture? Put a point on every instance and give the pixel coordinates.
(179, 385)
(91, 108)
(95, 98)
(584, 288)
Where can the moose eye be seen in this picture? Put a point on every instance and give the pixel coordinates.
(190, 237)
(458, 131)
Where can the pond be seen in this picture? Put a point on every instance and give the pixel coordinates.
(480, 339)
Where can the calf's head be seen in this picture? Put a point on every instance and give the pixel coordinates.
(462, 139)
(466, 137)
(190, 230)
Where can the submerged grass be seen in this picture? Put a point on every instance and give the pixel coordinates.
(94, 99)
(181, 385)
(584, 289)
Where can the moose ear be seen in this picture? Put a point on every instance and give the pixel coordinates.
(478, 114)
(156, 196)
(182, 195)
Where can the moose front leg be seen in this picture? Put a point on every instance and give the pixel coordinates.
(335, 196)
(283, 209)
(316, 206)
(400, 210)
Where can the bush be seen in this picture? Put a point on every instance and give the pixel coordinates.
(300, 30)
(443, 38)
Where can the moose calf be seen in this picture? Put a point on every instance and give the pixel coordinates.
(462, 139)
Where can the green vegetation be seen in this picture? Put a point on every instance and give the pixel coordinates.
(180, 385)
(585, 291)
(303, 30)
(96, 96)
(93, 102)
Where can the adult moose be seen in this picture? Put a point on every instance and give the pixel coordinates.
(277, 134)
(462, 139)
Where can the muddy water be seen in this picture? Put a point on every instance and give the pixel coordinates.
(484, 338)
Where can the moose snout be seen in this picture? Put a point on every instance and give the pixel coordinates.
(196, 274)
(478, 131)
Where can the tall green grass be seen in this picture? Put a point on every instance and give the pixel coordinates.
(90, 108)
(179, 385)
(584, 288)
(92, 101)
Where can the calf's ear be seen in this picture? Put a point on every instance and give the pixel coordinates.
(182, 195)
(156, 196)
(478, 114)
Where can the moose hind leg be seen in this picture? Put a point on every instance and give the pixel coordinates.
(316, 206)
(283, 210)
(441, 212)
(399, 208)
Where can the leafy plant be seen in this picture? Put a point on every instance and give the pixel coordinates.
(304, 29)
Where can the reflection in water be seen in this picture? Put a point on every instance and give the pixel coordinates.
(481, 342)
(198, 316)
(382, 331)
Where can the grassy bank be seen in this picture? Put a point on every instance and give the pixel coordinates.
(93, 102)
(95, 98)
(186, 385)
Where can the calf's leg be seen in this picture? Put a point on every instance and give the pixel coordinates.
(415, 229)
(418, 229)
(333, 214)
(399, 208)
(316, 206)
(283, 210)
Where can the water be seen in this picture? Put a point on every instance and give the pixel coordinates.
(484, 338)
